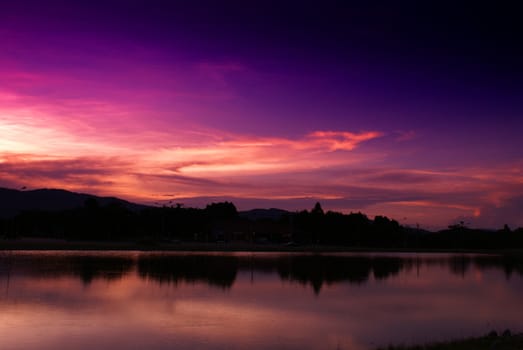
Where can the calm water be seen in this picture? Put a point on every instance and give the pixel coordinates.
(133, 300)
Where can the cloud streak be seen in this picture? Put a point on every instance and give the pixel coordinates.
(50, 145)
(134, 119)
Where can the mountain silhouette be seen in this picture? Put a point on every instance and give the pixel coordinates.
(12, 202)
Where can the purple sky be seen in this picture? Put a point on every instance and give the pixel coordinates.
(403, 109)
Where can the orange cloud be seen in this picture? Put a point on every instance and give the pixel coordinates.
(106, 148)
(42, 147)
(342, 140)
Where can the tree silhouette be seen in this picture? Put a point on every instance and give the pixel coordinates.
(317, 210)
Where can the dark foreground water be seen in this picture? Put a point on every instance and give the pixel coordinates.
(132, 300)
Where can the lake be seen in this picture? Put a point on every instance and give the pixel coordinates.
(141, 300)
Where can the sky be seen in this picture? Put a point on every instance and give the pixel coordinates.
(408, 109)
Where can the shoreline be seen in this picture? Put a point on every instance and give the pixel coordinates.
(504, 341)
(44, 244)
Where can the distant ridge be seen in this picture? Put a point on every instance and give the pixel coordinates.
(14, 201)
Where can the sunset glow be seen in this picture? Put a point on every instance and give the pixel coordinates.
(156, 107)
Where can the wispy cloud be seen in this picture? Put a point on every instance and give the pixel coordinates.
(136, 135)
(406, 135)
(105, 149)
(45, 144)
(237, 154)
(217, 71)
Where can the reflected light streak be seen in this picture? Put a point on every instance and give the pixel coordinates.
(259, 311)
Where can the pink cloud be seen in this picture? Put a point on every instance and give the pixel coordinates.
(74, 144)
(110, 148)
(103, 147)
(129, 131)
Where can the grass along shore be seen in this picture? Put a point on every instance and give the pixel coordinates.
(492, 341)
(28, 243)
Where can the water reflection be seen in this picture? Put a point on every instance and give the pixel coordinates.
(85, 266)
(317, 270)
(122, 300)
(216, 270)
(221, 270)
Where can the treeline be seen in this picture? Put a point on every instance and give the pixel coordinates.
(355, 229)
(222, 222)
(114, 221)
